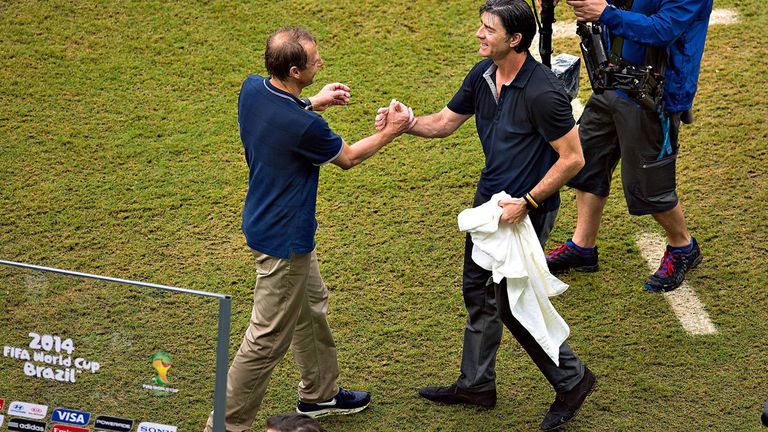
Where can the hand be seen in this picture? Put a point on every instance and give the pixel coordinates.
(588, 10)
(330, 95)
(514, 211)
(399, 118)
(381, 118)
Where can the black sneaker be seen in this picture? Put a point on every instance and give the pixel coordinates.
(674, 264)
(764, 417)
(565, 257)
(567, 404)
(454, 394)
(345, 402)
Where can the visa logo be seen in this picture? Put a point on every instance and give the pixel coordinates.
(77, 418)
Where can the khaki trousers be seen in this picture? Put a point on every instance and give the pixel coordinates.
(290, 303)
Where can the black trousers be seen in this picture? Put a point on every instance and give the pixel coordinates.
(487, 309)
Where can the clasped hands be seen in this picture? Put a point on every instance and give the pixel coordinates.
(393, 114)
(401, 120)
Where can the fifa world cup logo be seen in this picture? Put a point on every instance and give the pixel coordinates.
(162, 362)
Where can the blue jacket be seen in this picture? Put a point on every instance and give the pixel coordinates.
(679, 26)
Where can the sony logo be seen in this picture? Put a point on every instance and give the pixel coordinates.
(155, 427)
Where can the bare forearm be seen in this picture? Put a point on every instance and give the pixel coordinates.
(438, 125)
(366, 147)
(558, 175)
(430, 126)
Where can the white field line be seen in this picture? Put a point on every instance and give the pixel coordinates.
(689, 310)
(577, 107)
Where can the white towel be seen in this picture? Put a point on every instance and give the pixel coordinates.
(513, 252)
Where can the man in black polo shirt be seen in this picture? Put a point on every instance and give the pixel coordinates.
(532, 148)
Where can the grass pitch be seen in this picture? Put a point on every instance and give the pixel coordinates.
(120, 155)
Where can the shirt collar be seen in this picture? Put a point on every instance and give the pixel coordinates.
(522, 77)
(524, 74)
(282, 93)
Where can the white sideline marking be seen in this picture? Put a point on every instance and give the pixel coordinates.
(567, 29)
(724, 16)
(689, 310)
(577, 107)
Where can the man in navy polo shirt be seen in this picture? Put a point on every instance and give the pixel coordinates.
(531, 146)
(285, 144)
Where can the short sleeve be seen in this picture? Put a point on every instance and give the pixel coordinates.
(551, 114)
(463, 102)
(320, 144)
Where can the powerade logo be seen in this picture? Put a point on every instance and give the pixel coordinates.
(155, 427)
(105, 423)
(28, 410)
(77, 418)
(21, 425)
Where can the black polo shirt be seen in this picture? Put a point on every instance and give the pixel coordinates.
(515, 131)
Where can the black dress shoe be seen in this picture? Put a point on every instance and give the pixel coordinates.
(454, 394)
(567, 404)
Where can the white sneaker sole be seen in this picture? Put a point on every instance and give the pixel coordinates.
(332, 411)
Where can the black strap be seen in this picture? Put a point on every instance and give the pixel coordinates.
(617, 42)
(654, 56)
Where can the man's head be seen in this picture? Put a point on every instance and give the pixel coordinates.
(293, 423)
(291, 53)
(506, 25)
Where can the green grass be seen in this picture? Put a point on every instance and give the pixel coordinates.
(120, 155)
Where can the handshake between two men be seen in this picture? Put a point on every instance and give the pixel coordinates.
(531, 147)
(398, 118)
(333, 94)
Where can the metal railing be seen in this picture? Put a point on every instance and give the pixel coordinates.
(222, 344)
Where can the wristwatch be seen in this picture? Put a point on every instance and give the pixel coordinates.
(307, 104)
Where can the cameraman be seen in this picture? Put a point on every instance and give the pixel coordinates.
(615, 127)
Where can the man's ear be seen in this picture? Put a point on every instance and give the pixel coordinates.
(515, 40)
(293, 72)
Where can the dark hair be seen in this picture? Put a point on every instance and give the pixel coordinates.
(516, 16)
(293, 422)
(284, 50)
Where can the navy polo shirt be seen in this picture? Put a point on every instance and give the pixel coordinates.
(285, 145)
(515, 131)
